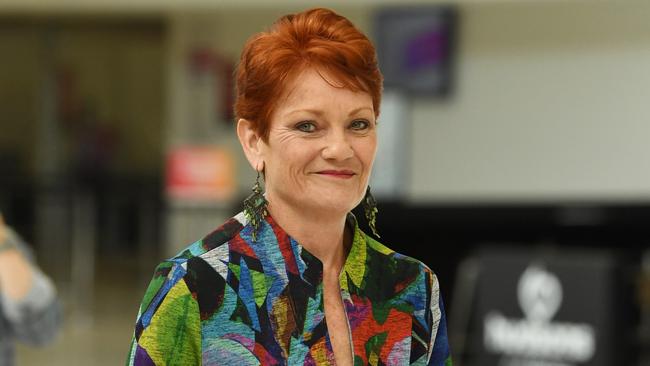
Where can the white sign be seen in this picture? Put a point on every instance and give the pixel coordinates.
(536, 340)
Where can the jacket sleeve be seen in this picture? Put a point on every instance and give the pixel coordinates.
(440, 353)
(168, 329)
(36, 318)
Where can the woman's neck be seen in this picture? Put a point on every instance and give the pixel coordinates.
(322, 235)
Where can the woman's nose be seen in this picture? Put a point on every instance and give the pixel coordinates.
(337, 147)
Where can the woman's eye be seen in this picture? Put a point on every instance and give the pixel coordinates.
(360, 124)
(306, 126)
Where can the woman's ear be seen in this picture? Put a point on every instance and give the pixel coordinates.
(251, 142)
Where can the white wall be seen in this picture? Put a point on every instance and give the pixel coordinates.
(552, 103)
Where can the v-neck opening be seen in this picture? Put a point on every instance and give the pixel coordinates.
(353, 268)
(355, 253)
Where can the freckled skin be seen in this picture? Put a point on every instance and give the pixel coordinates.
(316, 128)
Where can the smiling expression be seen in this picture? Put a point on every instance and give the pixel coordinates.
(321, 146)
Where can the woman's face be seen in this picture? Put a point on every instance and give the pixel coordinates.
(321, 146)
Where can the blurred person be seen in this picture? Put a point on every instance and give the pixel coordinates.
(292, 279)
(30, 311)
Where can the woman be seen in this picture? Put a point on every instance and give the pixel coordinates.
(292, 280)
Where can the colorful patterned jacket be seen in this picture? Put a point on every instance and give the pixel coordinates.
(227, 300)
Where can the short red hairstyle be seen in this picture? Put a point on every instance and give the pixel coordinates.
(316, 38)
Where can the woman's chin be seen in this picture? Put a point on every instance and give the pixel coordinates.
(326, 202)
(332, 205)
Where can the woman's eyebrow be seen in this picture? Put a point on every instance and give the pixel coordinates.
(357, 110)
(316, 112)
(320, 113)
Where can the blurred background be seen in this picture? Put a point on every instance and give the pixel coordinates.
(514, 160)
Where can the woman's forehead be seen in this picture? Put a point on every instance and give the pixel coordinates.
(311, 89)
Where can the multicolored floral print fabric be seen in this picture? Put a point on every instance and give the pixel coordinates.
(229, 300)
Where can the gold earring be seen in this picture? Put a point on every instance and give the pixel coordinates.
(370, 209)
(255, 207)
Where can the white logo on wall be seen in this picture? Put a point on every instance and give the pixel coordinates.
(536, 340)
(540, 294)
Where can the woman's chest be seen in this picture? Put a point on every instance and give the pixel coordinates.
(337, 323)
(300, 325)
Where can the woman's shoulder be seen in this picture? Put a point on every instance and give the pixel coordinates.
(395, 259)
(395, 270)
(193, 267)
(210, 252)
(211, 243)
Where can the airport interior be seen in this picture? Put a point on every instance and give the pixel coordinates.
(513, 160)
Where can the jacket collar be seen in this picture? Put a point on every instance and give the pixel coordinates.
(308, 266)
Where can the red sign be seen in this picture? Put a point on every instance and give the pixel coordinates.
(200, 173)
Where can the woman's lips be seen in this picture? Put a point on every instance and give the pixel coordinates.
(343, 174)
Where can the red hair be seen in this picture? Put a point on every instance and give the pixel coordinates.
(316, 38)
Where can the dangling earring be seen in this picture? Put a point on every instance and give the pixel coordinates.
(255, 207)
(370, 208)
